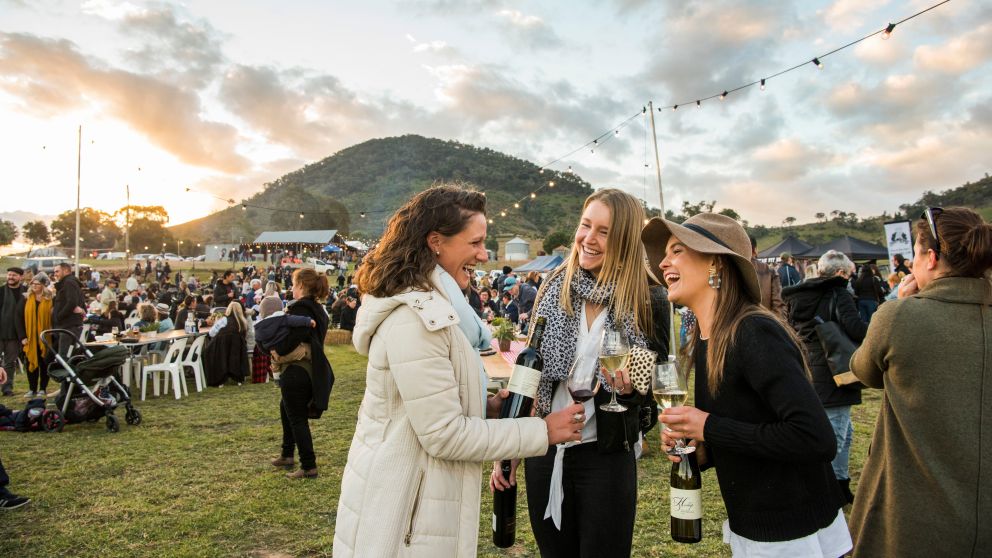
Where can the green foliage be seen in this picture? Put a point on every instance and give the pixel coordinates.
(8, 232)
(492, 243)
(151, 233)
(96, 228)
(36, 232)
(974, 195)
(502, 329)
(557, 238)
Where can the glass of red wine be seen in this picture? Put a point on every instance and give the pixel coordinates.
(583, 379)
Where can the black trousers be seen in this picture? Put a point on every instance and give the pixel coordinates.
(41, 373)
(599, 505)
(297, 392)
(11, 349)
(4, 481)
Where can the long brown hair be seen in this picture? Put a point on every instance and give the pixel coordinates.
(403, 260)
(965, 241)
(731, 308)
(624, 261)
(313, 284)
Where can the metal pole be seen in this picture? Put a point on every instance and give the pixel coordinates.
(127, 229)
(79, 164)
(657, 160)
(661, 200)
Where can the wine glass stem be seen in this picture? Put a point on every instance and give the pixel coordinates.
(613, 399)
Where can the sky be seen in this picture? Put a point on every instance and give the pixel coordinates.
(221, 97)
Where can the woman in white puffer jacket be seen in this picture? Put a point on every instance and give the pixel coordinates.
(412, 483)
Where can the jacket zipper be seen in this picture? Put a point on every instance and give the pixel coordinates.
(413, 512)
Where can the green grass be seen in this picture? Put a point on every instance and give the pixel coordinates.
(194, 480)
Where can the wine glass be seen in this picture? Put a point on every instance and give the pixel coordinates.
(613, 355)
(670, 386)
(583, 380)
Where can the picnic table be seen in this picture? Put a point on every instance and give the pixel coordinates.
(499, 366)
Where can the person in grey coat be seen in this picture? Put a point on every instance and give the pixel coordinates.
(926, 488)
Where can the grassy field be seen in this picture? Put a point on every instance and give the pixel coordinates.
(194, 480)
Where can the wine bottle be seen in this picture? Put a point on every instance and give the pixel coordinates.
(687, 500)
(523, 390)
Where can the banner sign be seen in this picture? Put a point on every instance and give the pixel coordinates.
(899, 239)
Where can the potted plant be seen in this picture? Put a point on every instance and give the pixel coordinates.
(503, 332)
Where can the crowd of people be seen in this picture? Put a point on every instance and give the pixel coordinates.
(767, 415)
(769, 412)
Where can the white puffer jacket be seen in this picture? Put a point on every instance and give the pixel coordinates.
(412, 483)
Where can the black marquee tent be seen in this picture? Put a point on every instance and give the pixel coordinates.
(854, 248)
(788, 244)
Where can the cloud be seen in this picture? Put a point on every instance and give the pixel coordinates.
(846, 15)
(50, 77)
(787, 160)
(959, 55)
(703, 48)
(529, 29)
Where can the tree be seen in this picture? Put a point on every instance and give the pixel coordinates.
(689, 209)
(730, 213)
(97, 229)
(555, 239)
(8, 232)
(789, 221)
(36, 232)
(150, 233)
(821, 217)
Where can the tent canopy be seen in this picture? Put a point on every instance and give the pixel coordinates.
(540, 263)
(854, 248)
(788, 244)
(297, 237)
(357, 245)
(331, 248)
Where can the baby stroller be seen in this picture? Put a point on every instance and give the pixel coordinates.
(76, 401)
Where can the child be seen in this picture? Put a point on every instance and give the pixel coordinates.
(273, 334)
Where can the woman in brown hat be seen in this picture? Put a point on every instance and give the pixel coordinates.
(756, 419)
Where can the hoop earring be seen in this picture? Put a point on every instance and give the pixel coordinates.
(714, 279)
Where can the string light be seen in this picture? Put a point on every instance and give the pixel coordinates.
(244, 207)
(698, 104)
(516, 205)
(674, 108)
(888, 31)
(762, 84)
(817, 62)
(502, 213)
(551, 183)
(723, 95)
(541, 171)
(617, 132)
(362, 214)
(302, 215)
(533, 195)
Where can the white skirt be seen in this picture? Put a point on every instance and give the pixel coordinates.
(832, 541)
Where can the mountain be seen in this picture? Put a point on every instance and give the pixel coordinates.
(377, 176)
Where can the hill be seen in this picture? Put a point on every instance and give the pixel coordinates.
(376, 177)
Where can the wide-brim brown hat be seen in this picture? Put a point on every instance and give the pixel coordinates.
(707, 233)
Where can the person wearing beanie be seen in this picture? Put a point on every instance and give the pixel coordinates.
(12, 336)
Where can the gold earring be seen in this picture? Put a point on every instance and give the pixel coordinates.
(714, 279)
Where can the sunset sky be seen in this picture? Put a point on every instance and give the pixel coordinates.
(223, 96)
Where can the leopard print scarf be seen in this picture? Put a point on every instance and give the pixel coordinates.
(561, 331)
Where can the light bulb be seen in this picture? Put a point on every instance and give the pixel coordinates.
(723, 95)
(244, 207)
(698, 104)
(533, 195)
(541, 171)
(817, 62)
(502, 214)
(762, 84)
(888, 31)
(675, 108)
(516, 205)
(362, 214)
(551, 184)
(301, 215)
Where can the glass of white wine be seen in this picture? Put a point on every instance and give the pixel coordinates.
(613, 355)
(670, 386)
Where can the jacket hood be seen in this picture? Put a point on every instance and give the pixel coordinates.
(803, 299)
(433, 308)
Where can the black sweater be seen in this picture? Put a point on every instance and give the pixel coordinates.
(768, 437)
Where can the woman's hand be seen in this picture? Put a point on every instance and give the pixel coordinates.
(566, 425)
(908, 286)
(495, 402)
(496, 479)
(684, 422)
(622, 383)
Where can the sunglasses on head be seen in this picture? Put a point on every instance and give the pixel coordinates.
(930, 214)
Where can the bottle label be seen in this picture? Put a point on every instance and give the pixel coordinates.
(687, 504)
(524, 381)
(494, 522)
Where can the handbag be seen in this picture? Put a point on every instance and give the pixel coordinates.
(837, 347)
(639, 368)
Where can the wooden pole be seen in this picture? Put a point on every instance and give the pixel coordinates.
(661, 201)
(79, 165)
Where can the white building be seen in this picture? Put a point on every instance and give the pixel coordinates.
(516, 249)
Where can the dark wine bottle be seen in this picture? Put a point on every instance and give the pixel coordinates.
(687, 500)
(523, 390)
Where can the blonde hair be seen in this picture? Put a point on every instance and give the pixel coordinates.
(234, 310)
(623, 261)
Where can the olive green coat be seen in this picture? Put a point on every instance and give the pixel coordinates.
(926, 488)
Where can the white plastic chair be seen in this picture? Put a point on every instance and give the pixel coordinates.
(194, 360)
(172, 365)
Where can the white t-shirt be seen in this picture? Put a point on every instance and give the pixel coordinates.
(831, 541)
